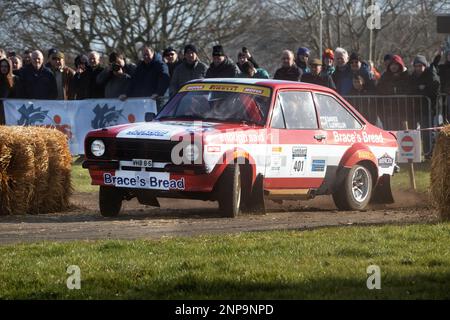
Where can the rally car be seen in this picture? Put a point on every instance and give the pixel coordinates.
(242, 142)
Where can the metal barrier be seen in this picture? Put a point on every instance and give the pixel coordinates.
(443, 107)
(390, 113)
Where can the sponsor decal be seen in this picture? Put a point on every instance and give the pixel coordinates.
(355, 137)
(147, 133)
(149, 181)
(243, 88)
(365, 155)
(298, 151)
(275, 163)
(277, 149)
(213, 149)
(385, 161)
(318, 166)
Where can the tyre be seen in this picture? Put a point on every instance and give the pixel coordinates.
(230, 192)
(355, 191)
(110, 200)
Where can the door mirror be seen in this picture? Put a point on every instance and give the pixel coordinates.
(149, 116)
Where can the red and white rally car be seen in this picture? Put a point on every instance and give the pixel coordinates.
(241, 142)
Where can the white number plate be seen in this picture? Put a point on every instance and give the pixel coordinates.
(143, 163)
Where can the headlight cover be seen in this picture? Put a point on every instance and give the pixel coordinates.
(98, 148)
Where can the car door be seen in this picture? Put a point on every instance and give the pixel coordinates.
(297, 147)
(342, 128)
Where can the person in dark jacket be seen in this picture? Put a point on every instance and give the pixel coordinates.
(93, 69)
(302, 59)
(151, 78)
(117, 66)
(342, 76)
(289, 70)
(425, 81)
(38, 81)
(316, 75)
(359, 87)
(249, 71)
(245, 56)
(222, 66)
(395, 80)
(191, 68)
(170, 57)
(81, 84)
(362, 68)
(10, 86)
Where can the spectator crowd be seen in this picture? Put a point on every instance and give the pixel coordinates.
(159, 76)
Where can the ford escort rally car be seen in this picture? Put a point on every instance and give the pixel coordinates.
(241, 142)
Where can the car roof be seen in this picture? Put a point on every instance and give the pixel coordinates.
(274, 84)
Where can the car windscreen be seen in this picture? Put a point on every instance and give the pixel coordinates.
(221, 106)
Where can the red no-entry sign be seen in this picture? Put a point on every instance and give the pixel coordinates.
(407, 144)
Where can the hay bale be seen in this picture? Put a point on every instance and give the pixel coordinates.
(440, 174)
(35, 165)
(59, 187)
(20, 173)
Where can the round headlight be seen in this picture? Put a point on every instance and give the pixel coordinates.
(191, 152)
(98, 148)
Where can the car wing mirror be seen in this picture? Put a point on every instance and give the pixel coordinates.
(149, 116)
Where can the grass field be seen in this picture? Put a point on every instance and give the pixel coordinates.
(325, 264)
(82, 181)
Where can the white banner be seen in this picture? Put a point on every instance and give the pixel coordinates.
(77, 117)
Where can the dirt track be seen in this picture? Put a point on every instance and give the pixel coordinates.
(187, 218)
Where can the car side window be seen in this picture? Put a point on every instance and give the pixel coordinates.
(277, 117)
(333, 115)
(298, 109)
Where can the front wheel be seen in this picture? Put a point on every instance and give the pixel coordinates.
(356, 190)
(230, 191)
(110, 200)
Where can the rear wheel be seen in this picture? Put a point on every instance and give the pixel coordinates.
(110, 200)
(230, 192)
(356, 190)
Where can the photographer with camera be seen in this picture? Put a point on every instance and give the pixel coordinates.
(115, 77)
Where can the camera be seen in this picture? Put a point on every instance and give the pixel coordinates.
(116, 67)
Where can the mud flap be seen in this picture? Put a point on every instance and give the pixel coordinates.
(382, 193)
(147, 198)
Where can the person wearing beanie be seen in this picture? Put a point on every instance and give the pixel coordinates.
(328, 62)
(249, 71)
(302, 59)
(190, 69)
(80, 86)
(361, 68)
(316, 75)
(289, 70)
(170, 57)
(222, 66)
(243, 57)
(395, 79)
(424, 80)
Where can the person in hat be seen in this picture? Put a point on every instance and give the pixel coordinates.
(38, 82)
(222, 66)
(302, 59)
(328, 62)
(361, 68)
(63, 74)
(425, 81)
(243, 57)
(170, 57)
(81, 85)
(289, 70)
(191, 68)
(395, 80)
(316, 75)
(387, 59)
(249, 71)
